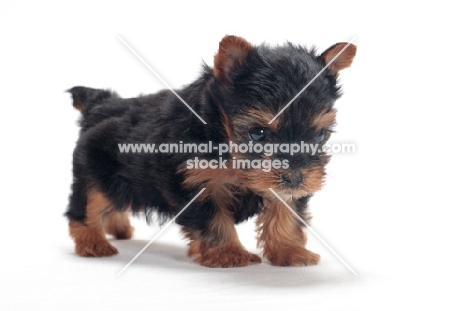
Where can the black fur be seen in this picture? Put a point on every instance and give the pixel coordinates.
(268, 78)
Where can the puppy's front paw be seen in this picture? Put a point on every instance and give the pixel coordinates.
(96, 249)
(225, 257)
(296, 257)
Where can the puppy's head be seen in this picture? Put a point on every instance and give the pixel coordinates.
(266, 98)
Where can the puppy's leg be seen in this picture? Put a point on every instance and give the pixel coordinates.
(89, 233)
(118, 225)
(282, 236)
(218, 245)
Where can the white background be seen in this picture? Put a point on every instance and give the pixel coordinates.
(394, 210)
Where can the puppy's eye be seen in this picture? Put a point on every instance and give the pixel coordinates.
(320, 136)
(257, 133)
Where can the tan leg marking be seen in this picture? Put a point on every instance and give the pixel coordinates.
(118, 225)
(89, 237)
(220, 246)
(282, 237)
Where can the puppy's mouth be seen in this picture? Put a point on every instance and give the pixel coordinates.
(291, 193)
(292, 183)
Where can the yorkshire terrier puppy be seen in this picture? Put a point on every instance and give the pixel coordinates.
(239, 99)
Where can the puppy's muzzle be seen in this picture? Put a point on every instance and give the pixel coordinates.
(292, 179)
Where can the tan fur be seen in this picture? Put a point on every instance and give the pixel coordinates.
(343, 61)
(226, 124)
(78, 105)
(282, 237)
(313, 179)
(259, 181)
(118, 225)
(89, 236)
(216, 182)
(254, 118)
(219, 246)
(258, 117)
(325, 119)
(231, 54)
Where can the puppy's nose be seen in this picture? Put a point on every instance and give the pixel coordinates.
(292, 179)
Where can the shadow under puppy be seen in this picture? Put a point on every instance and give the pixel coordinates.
(238, 98)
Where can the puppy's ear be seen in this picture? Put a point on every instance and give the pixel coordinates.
(231, 56)
(341, 61)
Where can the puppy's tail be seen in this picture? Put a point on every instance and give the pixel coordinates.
(85, 98)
